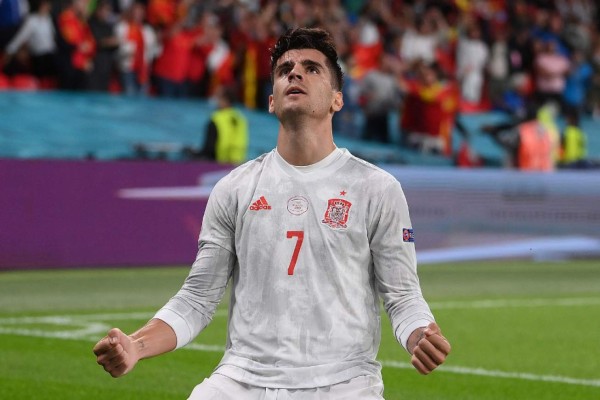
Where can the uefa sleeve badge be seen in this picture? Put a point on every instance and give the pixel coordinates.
(408, 235)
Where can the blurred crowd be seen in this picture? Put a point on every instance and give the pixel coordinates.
(427, 60)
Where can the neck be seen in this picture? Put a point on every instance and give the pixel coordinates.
(305, 144)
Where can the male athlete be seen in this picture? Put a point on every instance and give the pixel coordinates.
(311, 238)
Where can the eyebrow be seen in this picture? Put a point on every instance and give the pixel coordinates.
(304, 63)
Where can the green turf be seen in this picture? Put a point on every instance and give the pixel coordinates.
(519, 330)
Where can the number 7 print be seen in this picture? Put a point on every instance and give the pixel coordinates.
(300, 236)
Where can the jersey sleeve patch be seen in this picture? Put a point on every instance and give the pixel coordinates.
(408, 235)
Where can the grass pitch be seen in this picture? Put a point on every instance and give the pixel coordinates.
(519, 330)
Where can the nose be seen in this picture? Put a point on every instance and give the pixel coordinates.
(295, 74)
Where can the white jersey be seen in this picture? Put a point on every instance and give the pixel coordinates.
(309, 251)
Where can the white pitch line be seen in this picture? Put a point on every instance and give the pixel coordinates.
(78, 318)
(213, 348)
(524, 303)
(501, 374)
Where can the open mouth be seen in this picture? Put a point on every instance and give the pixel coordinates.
(295, 90)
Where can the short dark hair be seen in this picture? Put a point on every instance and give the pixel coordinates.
(310, 38)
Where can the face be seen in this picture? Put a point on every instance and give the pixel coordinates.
(302, 85)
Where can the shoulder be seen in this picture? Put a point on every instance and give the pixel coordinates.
(240, 176)
(374, 179)
(370, 171)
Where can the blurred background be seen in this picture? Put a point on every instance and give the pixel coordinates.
(486, 111)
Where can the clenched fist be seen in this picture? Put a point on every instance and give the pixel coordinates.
(430, 348)
(117, 353)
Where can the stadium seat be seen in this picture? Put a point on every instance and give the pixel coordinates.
(48, 83)
(4, 82)
(114, 86)
(24, 82)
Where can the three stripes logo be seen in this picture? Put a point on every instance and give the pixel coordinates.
(260, 204)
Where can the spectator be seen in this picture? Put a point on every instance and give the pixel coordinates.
(245, 59)
(471, 58)
(226, 136)
(257, 61)
(520, 52)
(578, 80)
(349, 120)
(594, 90)
(548, 27)
(198, 76)
(515, 99)
(576, 35)
(219, 58)
(37, 33)
(429, 111)
(19, 64)
(551, 69)
(498, 66)
(573, 142)
(103, 29)
(582, 10)
(380, 93)
(76, 46)
(172, 66)
(12, 13)
(163, 14)
(529, 142)
(367, 46)
(420, 42)
(137, 48)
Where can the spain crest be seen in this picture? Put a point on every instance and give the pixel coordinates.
(337, 212)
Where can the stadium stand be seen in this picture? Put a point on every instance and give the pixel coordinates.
(189, 48)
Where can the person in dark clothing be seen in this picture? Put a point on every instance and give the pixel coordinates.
(104, 61)
(76, 46)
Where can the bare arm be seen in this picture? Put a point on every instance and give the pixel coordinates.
(118, 353)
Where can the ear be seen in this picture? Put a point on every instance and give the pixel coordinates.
(338, 102)
(271, 106)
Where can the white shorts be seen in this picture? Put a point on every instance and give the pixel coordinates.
(220, 387)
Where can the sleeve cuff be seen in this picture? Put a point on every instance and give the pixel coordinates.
(410, 328)
(182, 330)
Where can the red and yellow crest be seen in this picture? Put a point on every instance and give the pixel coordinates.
(337, 212)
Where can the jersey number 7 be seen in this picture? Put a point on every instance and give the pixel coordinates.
(300, 236)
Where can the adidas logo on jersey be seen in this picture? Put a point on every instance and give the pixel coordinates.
(260, 204)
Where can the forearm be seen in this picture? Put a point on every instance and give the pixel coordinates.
(192, 308)
(153, 339)
(414, 339)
